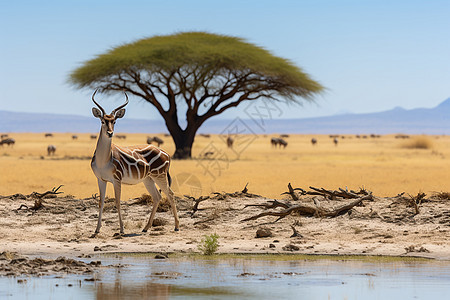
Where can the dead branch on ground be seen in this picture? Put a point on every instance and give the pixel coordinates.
(269, 204)
(197, 202)
(416, 201)
(328, 194)
(296, 233)
(291, 191)
(243, 193)
(38, 198)
(52, 193)
(310, 211)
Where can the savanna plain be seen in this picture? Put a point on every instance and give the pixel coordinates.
(385, 165)
(393, 200)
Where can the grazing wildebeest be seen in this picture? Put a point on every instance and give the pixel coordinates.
(74, 137)
(51, 150)
(121, 136)
(274, 142)
(284, 135)
(156, 139)
(230, 142)
(335, 141)
(208, 154)
(8, 141)
(3, 136)
(313, 141)
(278, 141)
(93, 136)
(49, 135)
(402, 136)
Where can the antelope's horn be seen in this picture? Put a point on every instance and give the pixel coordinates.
(122, 106)
(101, 108)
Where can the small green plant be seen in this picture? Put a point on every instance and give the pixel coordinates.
(209, 244)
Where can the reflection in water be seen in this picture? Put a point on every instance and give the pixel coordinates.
(242, 278)
(121, 290)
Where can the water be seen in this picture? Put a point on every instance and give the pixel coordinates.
(241, 278)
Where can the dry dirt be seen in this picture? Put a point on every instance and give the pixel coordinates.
(63, 226)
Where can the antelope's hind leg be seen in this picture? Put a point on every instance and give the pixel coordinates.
(156, 197)
(163, 183)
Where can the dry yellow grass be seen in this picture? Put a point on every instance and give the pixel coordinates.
(418, 142)
(378, 164)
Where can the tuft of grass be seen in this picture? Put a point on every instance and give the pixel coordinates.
(357, 230)
(419, 142)
(209, 244)
(442, 195)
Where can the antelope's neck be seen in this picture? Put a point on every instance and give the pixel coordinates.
(102, 153)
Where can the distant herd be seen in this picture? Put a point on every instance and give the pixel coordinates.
(276, 142)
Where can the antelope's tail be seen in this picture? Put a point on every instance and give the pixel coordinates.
(169, 179)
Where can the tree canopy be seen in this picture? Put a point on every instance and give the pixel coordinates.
(208, 73)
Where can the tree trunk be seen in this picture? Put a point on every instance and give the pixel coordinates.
(183, 139)
(183, 144)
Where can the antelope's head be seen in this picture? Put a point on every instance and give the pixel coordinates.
(108, 121)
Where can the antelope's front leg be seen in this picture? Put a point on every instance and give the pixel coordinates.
(117, 192)
(102, 191)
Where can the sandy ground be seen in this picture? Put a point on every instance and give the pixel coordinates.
(63, 226)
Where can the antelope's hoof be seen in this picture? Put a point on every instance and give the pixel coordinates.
(144, 230)
(93, 235)
(177, 229)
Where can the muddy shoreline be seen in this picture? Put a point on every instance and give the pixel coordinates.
(63, 226)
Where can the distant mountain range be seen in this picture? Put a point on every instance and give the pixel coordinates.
(398, 120)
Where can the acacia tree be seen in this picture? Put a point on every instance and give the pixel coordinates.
(194, 74)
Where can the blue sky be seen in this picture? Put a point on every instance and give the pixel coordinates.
(370, 55)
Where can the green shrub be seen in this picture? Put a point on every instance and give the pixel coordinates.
(209, 244)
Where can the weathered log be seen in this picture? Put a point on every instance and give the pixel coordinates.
(310, 211)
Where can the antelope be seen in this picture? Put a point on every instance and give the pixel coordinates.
(313, 141)
(335, 141)
(51, 149)
(155, 139)
(230, 142)
(128, 165)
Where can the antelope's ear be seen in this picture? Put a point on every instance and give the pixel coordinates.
(96, 112)
(120, 113)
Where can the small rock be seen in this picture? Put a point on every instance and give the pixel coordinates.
(159, 222)
(246, 274)
(97, 248)
(263, 232)
(271, 246)
(161, 256)
(291, 247)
